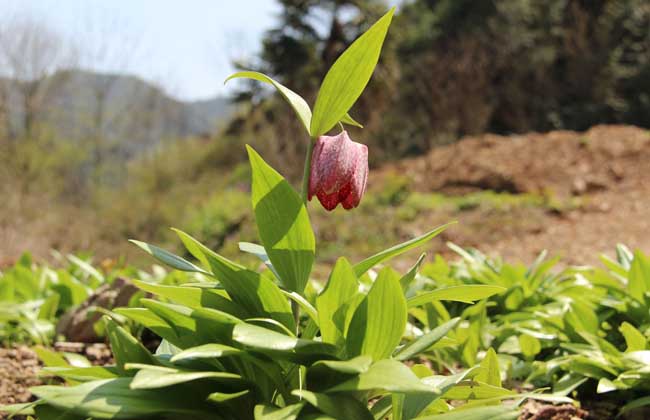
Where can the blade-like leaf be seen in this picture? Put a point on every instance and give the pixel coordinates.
(347, 119)
(466, 293)
(639, 277)
(258, 295)
(298, 104)
(380, 319)
(388, 375)
(283, 224)
(165, 377)
(427, 340)
(383, 256)
(348, 77)
(281, 345)
(206, 351)
(353, 366)
(125, 347)
(634, 339)
(331, 303)
(114, 399)
(490, 369)
(194, 297)
(408, 278)
(168, 258)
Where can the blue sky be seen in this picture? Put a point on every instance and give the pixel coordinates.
(184, 45)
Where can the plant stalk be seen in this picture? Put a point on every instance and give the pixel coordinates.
(295, 308)
(306, 171)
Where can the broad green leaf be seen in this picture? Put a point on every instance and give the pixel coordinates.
(466, 293)
(380, 319)
(283, 224)
(194, 297)
(114, 399)
(529, 345)
(168, 258)
(337, 406)
(582, 318)
(421, 344)
(194, 326)
(634, 339)
(348, 77)
(26, 409)
(639, 277)
(206, 351)
(410, 406)
(298, 104)
(281, 345)
(472, 390)
(49, 308)
(258, 295)
(82, 374)
(325, 374)
(387, 375)
(490, 373)
(359, 364)
(331, 303)
(126, 349)
(50, 358)
(153, 322)
(160, 377)
(267, 412)
(385, 255)
(566, 384)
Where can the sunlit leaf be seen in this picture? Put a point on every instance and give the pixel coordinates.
(283, 224)
(380, 319)
(348, 77)
(298, 104)
(385, 255)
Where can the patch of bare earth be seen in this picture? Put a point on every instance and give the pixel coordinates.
(605, 169)
(19, 367)
(18, 371)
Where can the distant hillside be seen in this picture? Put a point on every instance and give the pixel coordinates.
(129, 115)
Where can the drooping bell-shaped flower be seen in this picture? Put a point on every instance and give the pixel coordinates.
(339, 171)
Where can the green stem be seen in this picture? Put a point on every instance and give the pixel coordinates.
(306, 171)
(295, 308)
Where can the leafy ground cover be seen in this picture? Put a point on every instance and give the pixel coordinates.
(580, 332)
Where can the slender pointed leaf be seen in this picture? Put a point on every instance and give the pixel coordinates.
(467, 293)
(348, 77)
(383, 256)
(298, 104)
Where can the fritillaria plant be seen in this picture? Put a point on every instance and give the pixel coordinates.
(237, 347)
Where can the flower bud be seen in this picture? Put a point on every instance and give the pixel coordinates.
(339, 171)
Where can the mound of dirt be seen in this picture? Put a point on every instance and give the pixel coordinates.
(607, 168)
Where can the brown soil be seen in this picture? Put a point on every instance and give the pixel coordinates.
(19, 368)
(606, 170)
(18, 371)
